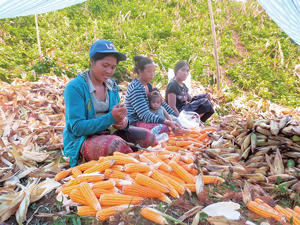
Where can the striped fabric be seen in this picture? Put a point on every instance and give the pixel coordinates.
(286, 13)
(13, 8)
(138, 105)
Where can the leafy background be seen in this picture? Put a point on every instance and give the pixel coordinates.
(255, 55)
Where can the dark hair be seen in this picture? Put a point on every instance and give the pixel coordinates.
(141, 62)
(154, 94)
(179, 65)
(97, 56)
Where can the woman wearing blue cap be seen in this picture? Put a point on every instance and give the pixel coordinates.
(92, 107)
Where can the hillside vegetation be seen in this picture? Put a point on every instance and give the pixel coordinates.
(254, 54)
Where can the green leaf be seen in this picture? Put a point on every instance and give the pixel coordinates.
(279, 179)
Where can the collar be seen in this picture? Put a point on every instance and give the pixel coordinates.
(110, 84)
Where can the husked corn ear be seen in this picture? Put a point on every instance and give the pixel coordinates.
(104, 214)
(187, 159)
(99, 191)
(176, 157)
(177, 186)
(138, 190)
(121, 160)
(165, 198)
(118, 168)
(89, 178)
(119, 199)
(163, 166)
(67, 190)
(191, 187)
(263, 211)
(146, 160)
(115, 174)
(106, 184)
(289, 215)
(87, 165)
(295, 214)
(101, 166)
(89, 195)
(149, 182)
(136, 167)
(154, 217)
(133, 174)
(182, 173)
(77, 196)
(121, 182)
(158, 176)
(176, 178)
(61, 175)
(86, 211)
(212, 179)
(76, 172)
(297, 209)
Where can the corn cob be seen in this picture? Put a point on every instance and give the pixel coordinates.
(87, 165)
(136, 167)
(163, 166)
(158, 176)
(99, 191)
(115, 174)
(163, 157)
(146, 160)
(212, 179)
(90, 178)
(263, 211)
(76, 172)
(119, 199)
(165, 198)
(177, 186)
(133, 175)
(182, 173)
(297, 209)
(176, 178)
(289, 215)
(100, 167)
(61, 175)
(154, 217)
(86, 211)
(295, 214)
(67, 190)
(118, 168)
(76, 196)
(176, 157)
(104, 214)
(120, 182)
(149, 182)
(141, 191)
(187, 159)
(101, 159)
(89, 195)
(107, 184)
(171, 148)
(191, 187)
(121, 160)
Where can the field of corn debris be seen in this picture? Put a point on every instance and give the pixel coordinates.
(242, 168)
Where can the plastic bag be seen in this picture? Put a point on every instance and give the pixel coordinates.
(189, 119)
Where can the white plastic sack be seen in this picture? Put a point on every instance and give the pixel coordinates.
(189, 119)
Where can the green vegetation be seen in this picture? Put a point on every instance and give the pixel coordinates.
(253, 51)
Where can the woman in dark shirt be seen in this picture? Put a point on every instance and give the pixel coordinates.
(177, 95)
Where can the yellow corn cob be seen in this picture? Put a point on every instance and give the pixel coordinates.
(177, 186)
(104, 214)
(158, 176)
(101, 159)
(176, 157)
(120, 182)
(101, 166)
(149, 182)
(67, 190)
(182, 173)
(263, 211)
(295, 214)
(114, 174)
(187, 159)
(87, 165)
(90, 178)
(191, 187)
(61, 175)
(212, 179)
(289, 215)
(138, 190)
(146, 160)
(297, 209)
(118, 168)
(163, 157)
(76, 172)
(171, 148)
(89, 195)
(136, 167)
(107, 184)
(121, 160)
(165, 199)
(261, 202)
(176, 178)
(119, 199)
(86, 211)
(76, 196)
(99, 191)
(163, 166)
(154, 217)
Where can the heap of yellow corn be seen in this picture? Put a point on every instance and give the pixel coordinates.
(106, 186)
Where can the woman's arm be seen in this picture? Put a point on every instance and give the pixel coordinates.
(189, 97)
(75, 114)
(172, 102)
(166, 114)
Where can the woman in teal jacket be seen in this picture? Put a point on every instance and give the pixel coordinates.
(92, 110)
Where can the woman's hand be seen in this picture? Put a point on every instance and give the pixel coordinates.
(121, 125)
(119, 113)
(208, 96)
(171, 124)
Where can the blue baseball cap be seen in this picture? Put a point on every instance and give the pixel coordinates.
(103, 46)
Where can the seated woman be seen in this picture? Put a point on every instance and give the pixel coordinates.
(92, 107)
(137, 102)
(177, 94)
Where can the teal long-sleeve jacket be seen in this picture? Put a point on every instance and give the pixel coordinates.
(80, 115)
